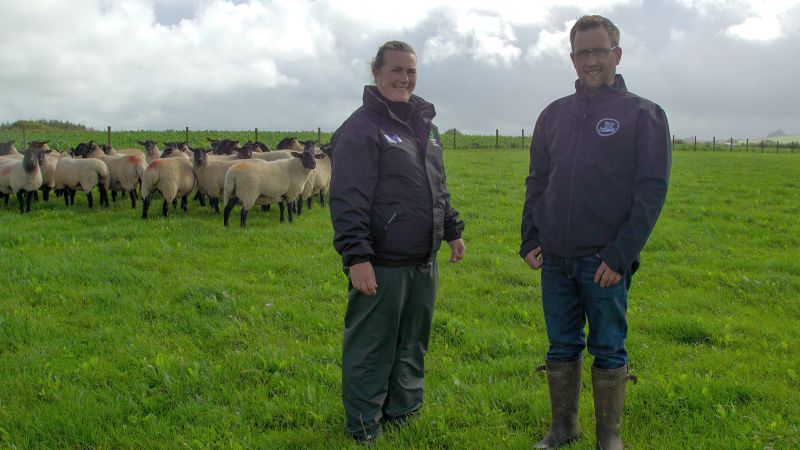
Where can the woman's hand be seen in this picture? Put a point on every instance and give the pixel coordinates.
(362, 276)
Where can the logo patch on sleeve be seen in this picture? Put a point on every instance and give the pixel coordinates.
(393, 138)
(607, 126)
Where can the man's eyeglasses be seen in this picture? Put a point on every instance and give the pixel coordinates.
(596, 52)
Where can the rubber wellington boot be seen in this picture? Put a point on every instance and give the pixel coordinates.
(564, 381)
(608, 386)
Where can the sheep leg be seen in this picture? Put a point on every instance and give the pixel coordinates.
(175, 203)
(214, 203)
(66, 196)
(299, 203)
(72, 193)
(89, 199)
(132, 193)
(5, 197)
(310, 201)
(228, 208)
(114, 196)
(145, 206)
(35, 195)
(185, 203)
(165, 207)
(200, 198)
(46, 193)
(103, 196)
(280, 204)
(322, 199)
(29, 197)
(291, 214)
(265, 208)
(243, 221)
(21, 202)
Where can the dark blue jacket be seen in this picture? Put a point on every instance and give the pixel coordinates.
(598, 176)
(389, 201)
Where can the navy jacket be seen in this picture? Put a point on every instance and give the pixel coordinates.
(598, 176)
(388, 201)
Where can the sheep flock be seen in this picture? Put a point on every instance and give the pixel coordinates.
(249, 174)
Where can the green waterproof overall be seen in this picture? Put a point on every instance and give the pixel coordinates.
(385, 341)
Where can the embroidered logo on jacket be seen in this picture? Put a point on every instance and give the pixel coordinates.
(607, 126)
(393, 138)
(433, 140)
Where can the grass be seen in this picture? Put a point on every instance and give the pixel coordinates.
(167, 333)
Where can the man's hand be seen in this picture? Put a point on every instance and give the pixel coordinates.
(457, 249)
(534, 258)
(362, 276)
(606, 277)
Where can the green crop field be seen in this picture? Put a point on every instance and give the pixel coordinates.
(179, 333)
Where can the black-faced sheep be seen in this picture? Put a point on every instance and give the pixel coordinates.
(289, 143)
(22, 177)
(151, 151)
(173, 177)
(210, 173)
(277, 181)
(84, 174)
(8, 148)
(126, 171)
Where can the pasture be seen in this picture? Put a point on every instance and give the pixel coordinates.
(178, 333)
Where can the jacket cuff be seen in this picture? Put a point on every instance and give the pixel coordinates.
(613, 259)
(353, 260)
(451, 235)
(527, 247)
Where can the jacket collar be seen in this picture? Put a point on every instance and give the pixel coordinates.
(615, 88)
(374, 101)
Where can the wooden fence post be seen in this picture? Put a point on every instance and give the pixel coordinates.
(762, 146)
(747, 145)
(673, 141)
(109, 137)
(695, 143)
(319, 135)
(186, 135)
(496, 138)
(714, 144)
(24, 143)
(454, 138)
(523, 138)
(256, 134)
(731, 144)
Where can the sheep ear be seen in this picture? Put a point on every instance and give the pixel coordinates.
(319, 156)
(48, 151)
(295, 154)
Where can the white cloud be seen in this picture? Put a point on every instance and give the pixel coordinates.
(552, 43)
(757, 29)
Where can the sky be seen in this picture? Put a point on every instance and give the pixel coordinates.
(718, 68)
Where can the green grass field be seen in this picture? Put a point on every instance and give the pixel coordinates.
(177, 333)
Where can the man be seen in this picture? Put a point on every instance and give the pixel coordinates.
(600, 161)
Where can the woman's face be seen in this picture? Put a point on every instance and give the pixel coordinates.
(397, 77)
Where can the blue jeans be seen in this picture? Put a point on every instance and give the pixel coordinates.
(570, 297)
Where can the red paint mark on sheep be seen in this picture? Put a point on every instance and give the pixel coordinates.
(7, 171)
(134, 158)
(155, 164)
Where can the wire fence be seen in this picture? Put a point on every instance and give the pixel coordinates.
(450, 139)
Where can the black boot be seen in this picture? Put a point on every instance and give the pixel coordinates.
(564, 382)
(608, 386)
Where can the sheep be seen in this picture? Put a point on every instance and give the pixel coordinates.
(210, 174)
(23, 176)
(7, 148)
(289, 143)
(111, 151)
(322, 180)
(277, 181)
(126, 171)
(223, 146)
(173, 177)
(72, 173)
(177, 150)
(49, 173)
(151, 152)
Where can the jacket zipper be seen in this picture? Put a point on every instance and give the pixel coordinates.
(572, 173)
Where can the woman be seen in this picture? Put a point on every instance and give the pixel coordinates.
(390, 211)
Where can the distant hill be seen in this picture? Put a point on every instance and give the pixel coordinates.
(776, 133)
(43, 125)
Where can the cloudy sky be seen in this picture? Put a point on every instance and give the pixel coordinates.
(725, 68)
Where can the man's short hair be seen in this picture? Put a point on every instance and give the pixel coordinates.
(589, 22)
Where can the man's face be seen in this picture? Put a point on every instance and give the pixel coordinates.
(593, 57)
